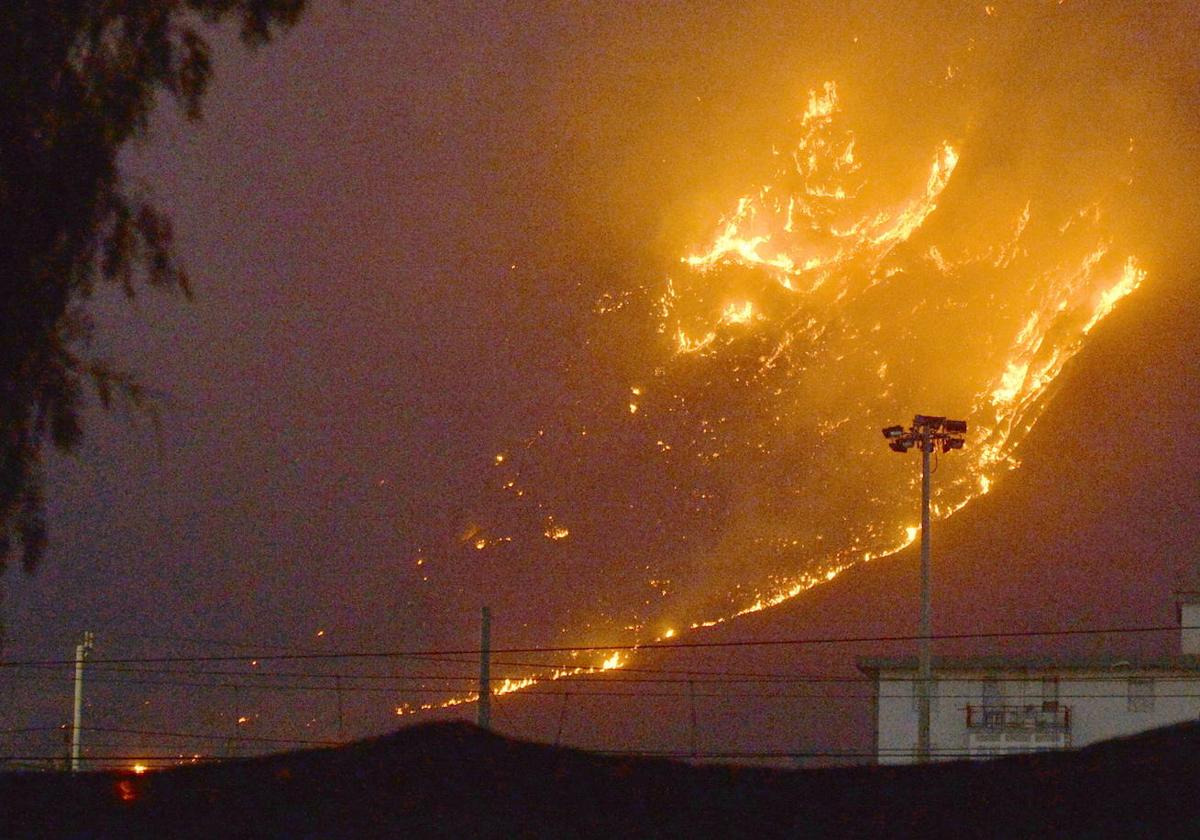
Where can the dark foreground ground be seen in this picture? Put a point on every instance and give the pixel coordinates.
(453, 780)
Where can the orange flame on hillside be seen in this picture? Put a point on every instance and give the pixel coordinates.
(830, 253)
(834, 290)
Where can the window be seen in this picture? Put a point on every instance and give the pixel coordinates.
(1141, 695)
(993, 702)
(993, 696)
(1049, 694)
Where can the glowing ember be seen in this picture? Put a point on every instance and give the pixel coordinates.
(554, 531)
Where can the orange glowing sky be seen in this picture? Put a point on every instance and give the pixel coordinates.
(594, 315)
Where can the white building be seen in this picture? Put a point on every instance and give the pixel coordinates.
(986, 706)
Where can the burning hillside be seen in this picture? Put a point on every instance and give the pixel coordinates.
(726, 456)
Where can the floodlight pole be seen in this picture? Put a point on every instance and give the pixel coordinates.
(924, 643)
(927, 432)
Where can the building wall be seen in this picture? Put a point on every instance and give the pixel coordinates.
(1189, 620)
(1099, 704)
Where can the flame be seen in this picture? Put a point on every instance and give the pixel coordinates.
(799, 242)
(831, 301)
(1131, 277)
(554, 531)
(511, 685)
(614, 661)
(693, 345)
(812, 232)
(481, 543)
(1011, 383)
(738, 314)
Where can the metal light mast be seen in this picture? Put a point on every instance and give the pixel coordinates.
(926, 432)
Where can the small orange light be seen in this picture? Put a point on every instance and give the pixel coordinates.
(126, 792)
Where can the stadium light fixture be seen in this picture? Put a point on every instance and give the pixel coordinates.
(927, 431)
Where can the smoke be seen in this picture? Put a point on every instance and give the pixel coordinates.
(1007, 173)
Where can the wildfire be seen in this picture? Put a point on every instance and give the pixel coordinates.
(814, 234)
(554, 531)
(510, 685)
(796, 235)
(738, 314)
(1131, 277)
(827, 302)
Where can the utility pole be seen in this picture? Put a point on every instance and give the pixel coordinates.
(485, 669)
(926, 431)
(340, 731)
(81, 652)
(231, 742)
(562, 717)
(692, 727)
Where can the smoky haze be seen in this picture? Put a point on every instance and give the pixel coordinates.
(688, 485)
(424, 237)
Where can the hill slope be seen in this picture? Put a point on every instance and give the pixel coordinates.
(452, 780)
(1098, 525)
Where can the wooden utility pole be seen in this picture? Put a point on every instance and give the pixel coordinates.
(485, 669)
(81, 652)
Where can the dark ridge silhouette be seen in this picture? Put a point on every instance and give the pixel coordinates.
(454, 780)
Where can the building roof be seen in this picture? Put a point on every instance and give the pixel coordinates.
(873, 665)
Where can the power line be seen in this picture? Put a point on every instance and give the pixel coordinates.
(726, 755)
(597, 678)
(270, 681)
(654, 646)
(733, 755)
(546, 691)
(621, 674)
(217, 642)
(214, 737)
(548, 683)
(111, 757)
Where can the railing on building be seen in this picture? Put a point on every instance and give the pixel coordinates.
(1002, 730)
(1033, 717)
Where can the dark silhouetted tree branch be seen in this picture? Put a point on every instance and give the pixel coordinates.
(79, 79)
